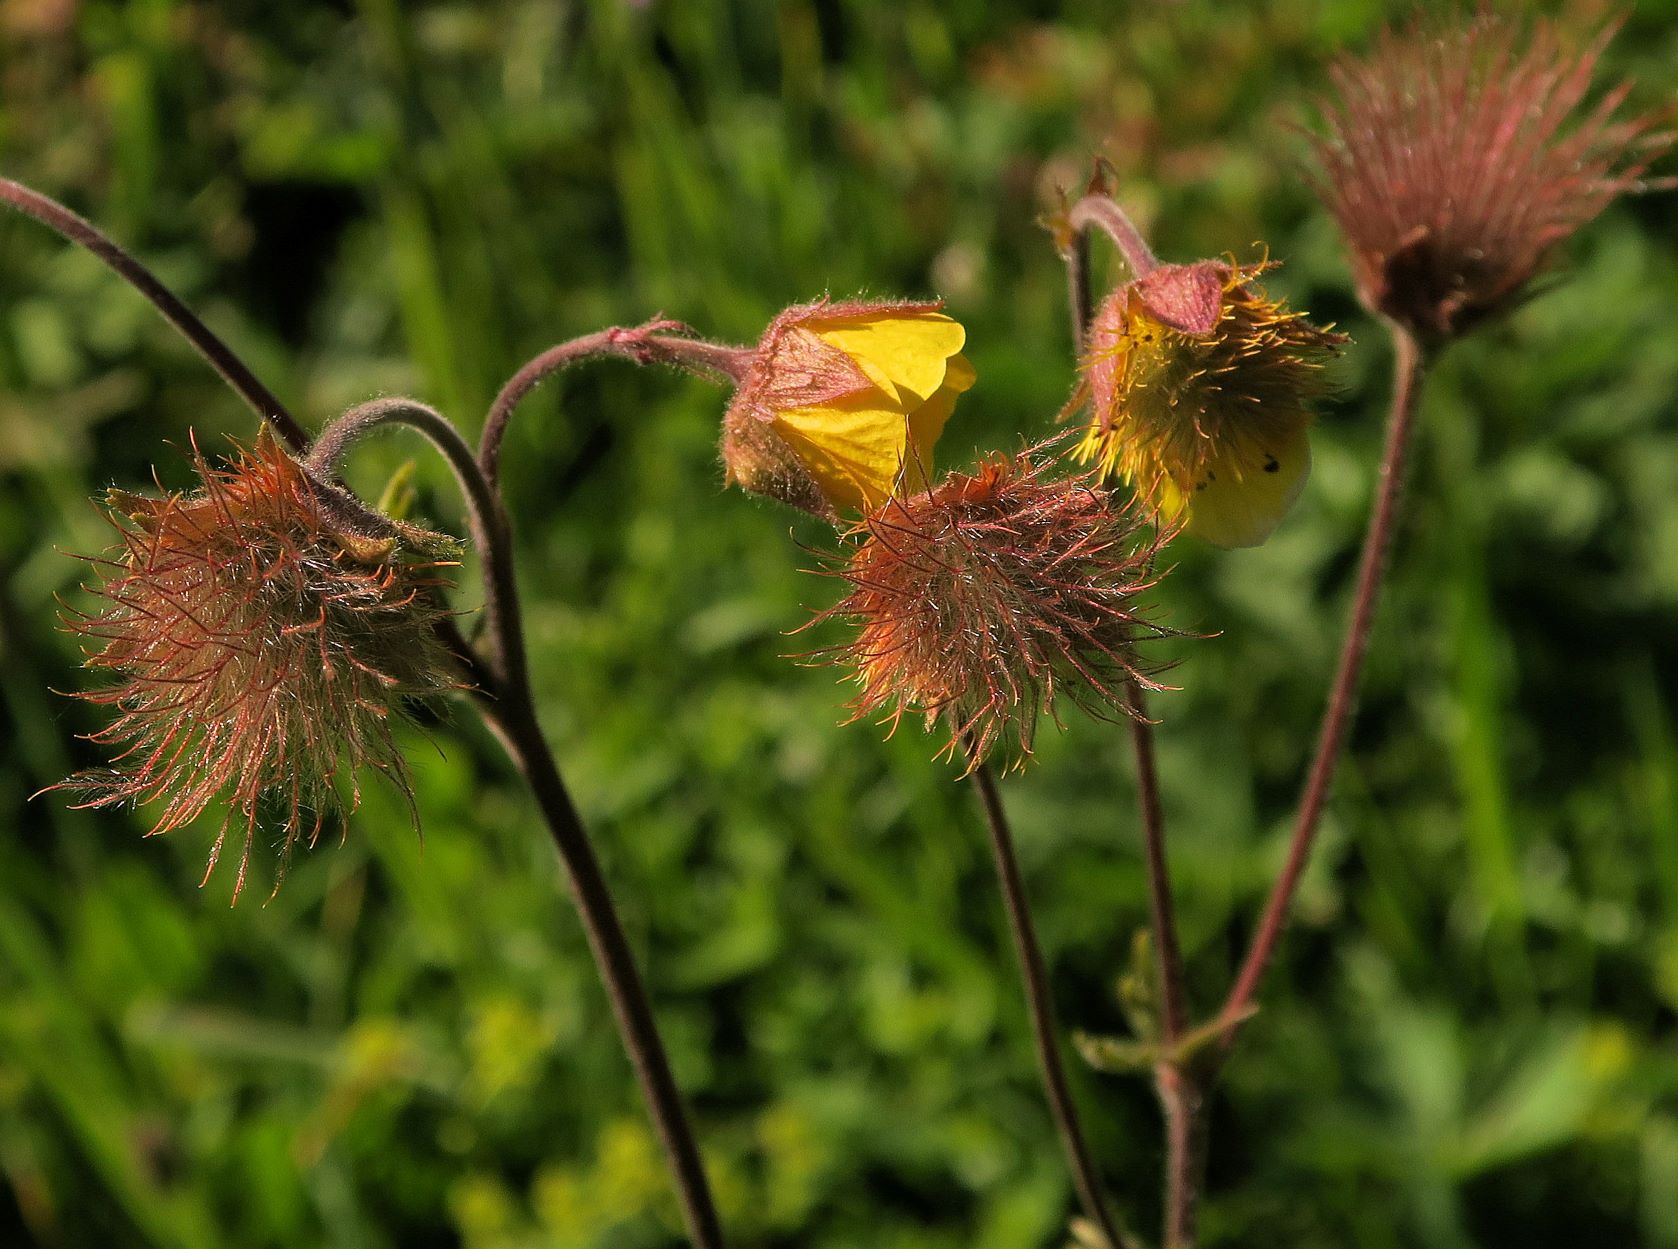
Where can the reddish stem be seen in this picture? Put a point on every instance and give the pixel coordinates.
(642, 344)
(1173, 994)
(1180, 1093)
(514, 721)
(55, 216)
(1045, 1032)
(1101, 212)
(1408, 364)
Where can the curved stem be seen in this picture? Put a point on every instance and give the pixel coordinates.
(483, 508)
(327, 455)
(1408, 364)
(50, 213)
(515, 723)
(1101, 212)
(1045, 1032)
(642, 344)
(508, 706)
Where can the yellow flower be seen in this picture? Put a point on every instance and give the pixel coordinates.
(843, 403)
(1200, 388)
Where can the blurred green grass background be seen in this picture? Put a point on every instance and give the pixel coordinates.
(1469, 1040)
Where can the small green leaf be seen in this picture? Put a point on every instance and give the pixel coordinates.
(1116, 1055)
(1138, 988)
(398, 497)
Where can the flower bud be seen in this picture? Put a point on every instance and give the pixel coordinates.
(842, 404)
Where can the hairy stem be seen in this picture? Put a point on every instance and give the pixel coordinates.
(643, 344)
(1100, 212)
(1409, 362)
(50, 213)
(335, 441)
(515, 723)
(483, 509)
(1181, 1095)
(1174, 1010)
(508, 706)
(1045, 1031)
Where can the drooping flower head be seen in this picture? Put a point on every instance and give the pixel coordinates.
(842, 404)
(262, 641)
(983, 600)
(1200, 390)
(1456, 159)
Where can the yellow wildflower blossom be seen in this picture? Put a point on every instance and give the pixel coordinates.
(1201, 387)
(843, 403)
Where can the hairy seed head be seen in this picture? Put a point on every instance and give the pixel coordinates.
(1456, 159)
(260, 643)
(983, 600)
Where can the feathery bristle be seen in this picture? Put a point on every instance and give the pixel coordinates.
(1456, 160)
(982, 601)
(261, 651)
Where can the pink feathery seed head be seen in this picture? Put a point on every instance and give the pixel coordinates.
(983, 600)
(261, 643)
(1456, 158)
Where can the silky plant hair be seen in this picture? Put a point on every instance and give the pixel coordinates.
(1456, 159)
(261, 646)
(983, 601)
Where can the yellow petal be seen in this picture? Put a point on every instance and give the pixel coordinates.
(1244, 493)
(906, 354)
(854, 447)
(959, 375)
(926, 423)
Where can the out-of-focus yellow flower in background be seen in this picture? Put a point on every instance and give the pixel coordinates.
(843, 404)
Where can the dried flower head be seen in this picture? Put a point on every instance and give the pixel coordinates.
(263, 640)
(842, 404)
(1200, 389)
(982, 600)
(1456, 159)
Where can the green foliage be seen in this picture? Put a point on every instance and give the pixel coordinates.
(1469, 1038)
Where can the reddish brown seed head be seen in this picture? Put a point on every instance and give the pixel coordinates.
(1455, 160)
(982, 601)
(260, 646)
